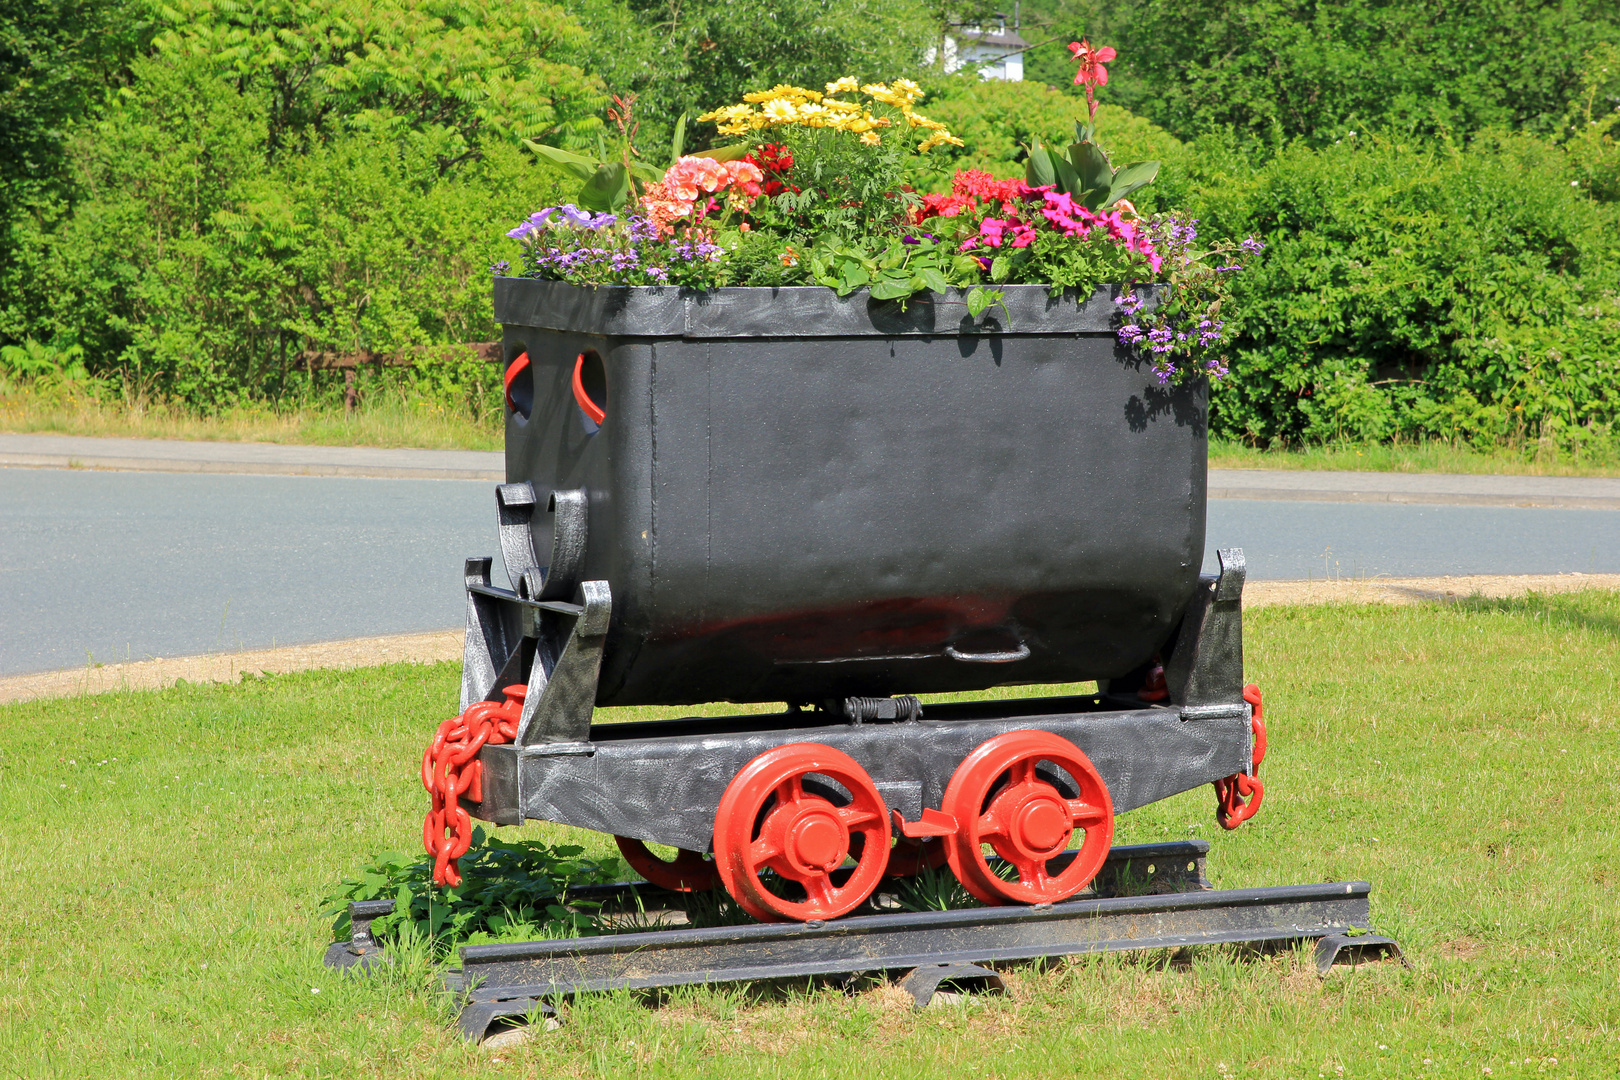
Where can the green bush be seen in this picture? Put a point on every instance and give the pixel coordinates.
(201, 267)
(511, 890)
(1467, 292)
(1270, 71)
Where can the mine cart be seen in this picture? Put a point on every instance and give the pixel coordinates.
(832, 506)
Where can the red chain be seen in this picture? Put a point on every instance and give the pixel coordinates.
(1238, 797)
(451, 769)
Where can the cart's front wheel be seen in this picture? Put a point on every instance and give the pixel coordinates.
(787, 825)
(1024, 795)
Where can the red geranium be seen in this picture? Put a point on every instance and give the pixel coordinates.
(775, 162)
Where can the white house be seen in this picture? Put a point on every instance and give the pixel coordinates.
(998, 51)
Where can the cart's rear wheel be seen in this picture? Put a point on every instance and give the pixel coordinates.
(1002, 798)
(770, 820)
(689, 871)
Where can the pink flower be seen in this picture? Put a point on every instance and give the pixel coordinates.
(685, 182)
(1092, 72)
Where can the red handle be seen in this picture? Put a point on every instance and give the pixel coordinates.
(512, 371)
(586, 405)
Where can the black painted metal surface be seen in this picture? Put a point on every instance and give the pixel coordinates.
(796, 497)
(661, 781)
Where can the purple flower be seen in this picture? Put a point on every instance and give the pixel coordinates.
(1252, 245)
(500, 269)
(1130, 334)
(1129, 303)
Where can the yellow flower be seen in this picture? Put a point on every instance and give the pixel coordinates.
(783, 91)
(919, 120)
(938, 138)
(879, 92)
(781, 111)
(813, 115)
(871, 138)
(848, 84)
(907, 89)
(733, 119)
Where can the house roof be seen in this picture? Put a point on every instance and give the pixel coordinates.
(999, 38)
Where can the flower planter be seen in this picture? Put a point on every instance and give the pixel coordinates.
(796, 497)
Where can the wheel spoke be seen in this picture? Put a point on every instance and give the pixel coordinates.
(790, 790)
(1023, 771)
(1031, 873)
(990, 825)
(1085, 815)
(853, 816)
(819, 889)
(763, 850)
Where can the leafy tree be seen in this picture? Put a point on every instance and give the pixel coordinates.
(690, 56)
(1272, 70)
(463, 72)
(58, 59)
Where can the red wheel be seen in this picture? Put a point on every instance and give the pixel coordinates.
(998, 797)
(908, 857)
(688, 872)
(767, 820)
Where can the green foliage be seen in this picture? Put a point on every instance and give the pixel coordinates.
(199, 271)
(1084, 172)
(510, 891)
(460, 74)
(1273, 70)
(689, 57)
(892, 270)
(1461, 292)
(58, 59)
(998, 121)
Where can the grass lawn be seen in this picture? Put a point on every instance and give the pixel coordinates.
(1602, 459)
(167, 853)
(386, 418)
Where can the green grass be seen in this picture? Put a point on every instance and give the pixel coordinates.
(387, 418)
(1528, 459)
(166, 853)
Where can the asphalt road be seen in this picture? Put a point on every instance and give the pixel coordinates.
(127, 565)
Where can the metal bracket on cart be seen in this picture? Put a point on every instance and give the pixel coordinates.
(549, 631)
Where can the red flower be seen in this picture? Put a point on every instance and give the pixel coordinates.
(775, 162)
(1092, 72)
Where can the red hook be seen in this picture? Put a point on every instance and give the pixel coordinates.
(586, 405)
(512, 371)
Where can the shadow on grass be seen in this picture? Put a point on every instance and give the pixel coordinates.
(1597, 610)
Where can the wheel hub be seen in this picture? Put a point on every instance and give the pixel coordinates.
(1039, 822)
(815, 841)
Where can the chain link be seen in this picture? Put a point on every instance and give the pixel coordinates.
(451, 769)
(1238, 797)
